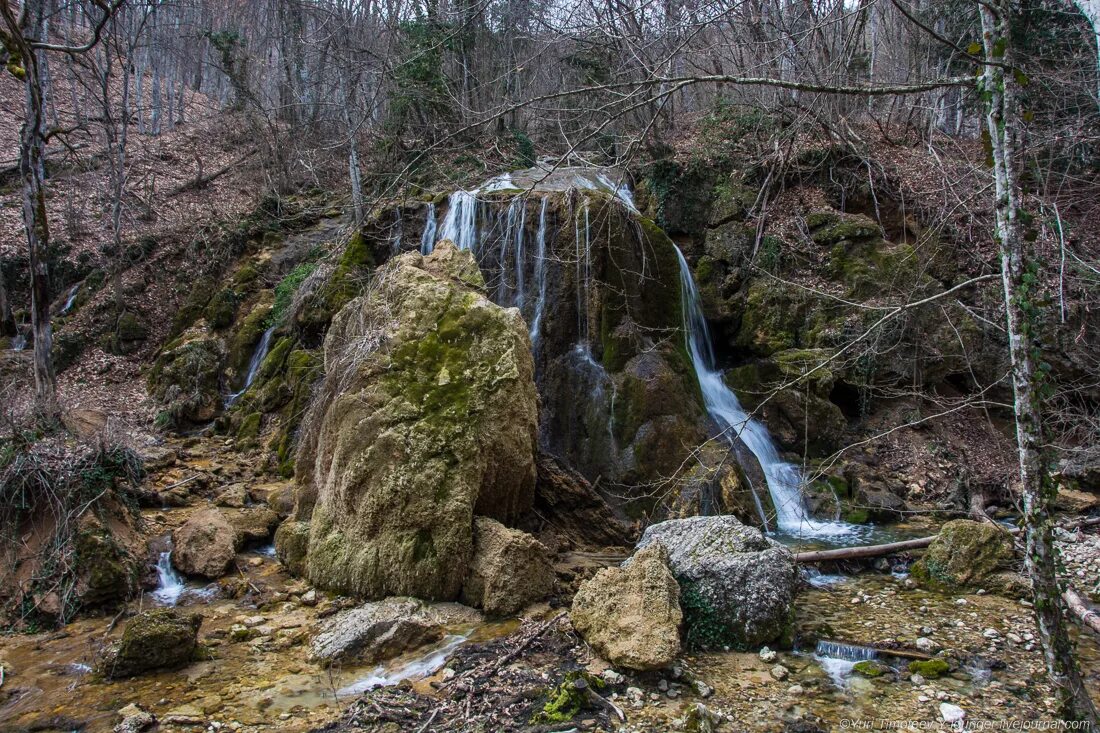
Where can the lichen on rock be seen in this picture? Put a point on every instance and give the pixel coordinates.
(964, 554)
(161, 639)
(427, 415)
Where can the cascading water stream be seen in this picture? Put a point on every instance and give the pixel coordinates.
(169, 583)
(70, 300)
(838, 659)
(460, 223)
(254, 365)
(540, 273)
(427, 240)
(784, 480)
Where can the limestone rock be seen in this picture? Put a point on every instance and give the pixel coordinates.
(161, 639)
(292, 544)
(509, 570)
(383, 629)
(134, 719)
(251, 524)
(631, 615)
(964, 554)
(737, 586)
(428, 415)
(204, 545)
(186, 378)
(234, 496)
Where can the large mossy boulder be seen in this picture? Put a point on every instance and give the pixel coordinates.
(185, 378)
(965, 554)
(152, 640)
(631, 615)
(509, 569)
(427, 416)
(737, 587)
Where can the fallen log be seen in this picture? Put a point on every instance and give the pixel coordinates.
(1081, 609)
(856, 553)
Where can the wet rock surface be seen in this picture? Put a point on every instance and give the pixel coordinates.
(205, 544)
(737, 586)
(152, 640)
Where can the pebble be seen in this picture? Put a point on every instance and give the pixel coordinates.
(795, 690)
(702, 689)
(767, 655)
(612, 677)
(780, 672)
(951, 713)
(251, 621)
(309, 598)
(926, 645)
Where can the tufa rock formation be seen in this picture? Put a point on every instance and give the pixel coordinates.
(509, 570)
(631, 615)
(427, 415)
(162, 639)
(205, 544)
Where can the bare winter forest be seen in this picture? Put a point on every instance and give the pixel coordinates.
(549, 366)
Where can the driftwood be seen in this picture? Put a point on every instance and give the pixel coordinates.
(855, 553)
(1081, 609)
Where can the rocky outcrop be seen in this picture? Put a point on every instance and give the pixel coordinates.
(964, 554)
(292, 545)
(509, 569)
(631, 615)
(162, 639)
(427, 415)
(569, 512)
(185, 378)
(737, 587)
(251, 524)
(204, 545)
(380, 630)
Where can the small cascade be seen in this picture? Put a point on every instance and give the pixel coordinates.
(399, 231)
(838, 659)
(419, 667)
(460, 223)
(584, 275)
(818, 579)
(515, 221)
(427, 240)
(254, 365)
(540, 273)
(18, 342)
(784, 480)
(70, 300)
(169, 583)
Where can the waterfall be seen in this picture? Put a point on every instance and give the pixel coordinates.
(584, 273)
(515, 220)
(169, 583)
(838, 659)
(18, 342)
(427, 240)
(70, 300)
(784, 480)
(254, 365)
(460, 223)
(540, 273)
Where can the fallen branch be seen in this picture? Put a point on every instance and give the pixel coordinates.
(507, 658)
(201, 181)
(1081, 609)
(855, 553)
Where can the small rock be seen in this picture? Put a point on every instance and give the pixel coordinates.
(795, 690)
(990, 633)
(926, 645)
(255, 561)
(134, 719)
(779, 672)
(767, 656)
(702, 689)
(952, 714)
(960, 601)
(309, 598)
(1014, 638)
(916, 679)
(252, 621)
(662, 685)
(448, 674)
(612, 677)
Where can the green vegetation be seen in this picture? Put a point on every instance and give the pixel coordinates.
(930, 669)
(568, 699)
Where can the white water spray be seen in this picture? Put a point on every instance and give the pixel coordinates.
(418, 668)
(460, 223)
(254, 365)
(169, 583)
(70, 300)
(427, 240)
(540, 273)
(784, 480)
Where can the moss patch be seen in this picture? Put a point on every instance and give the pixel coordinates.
(929, 669)
(567, 700)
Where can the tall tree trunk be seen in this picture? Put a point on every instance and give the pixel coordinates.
(1000, 88)
(32, 171)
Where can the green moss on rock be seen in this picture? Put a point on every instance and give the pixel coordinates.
(162, 639)
(963, 554)
(221, 309)
(929, 669)
(568, 699)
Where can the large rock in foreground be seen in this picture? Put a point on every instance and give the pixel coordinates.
(737, 587)
(427, 415)
(204, 545)
(631, 615)
(162, 639)
(964, 553)
(377, 631)
(509, 570)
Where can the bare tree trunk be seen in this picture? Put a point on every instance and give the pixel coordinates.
(1000, 89)
(32, 171)
(7, 320)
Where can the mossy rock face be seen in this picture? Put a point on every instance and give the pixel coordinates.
(428, 415)
(199, 292)
(129, 333)
(963, 555)
(248, 333)
(108, 573)
(250, 426)
(717, 485)
(67, 348)
(292, 545)
(346, 282)
(929, 669)
(871, 669)
(828, 228)
(185, 379)
(222, 309)
(162, 639)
